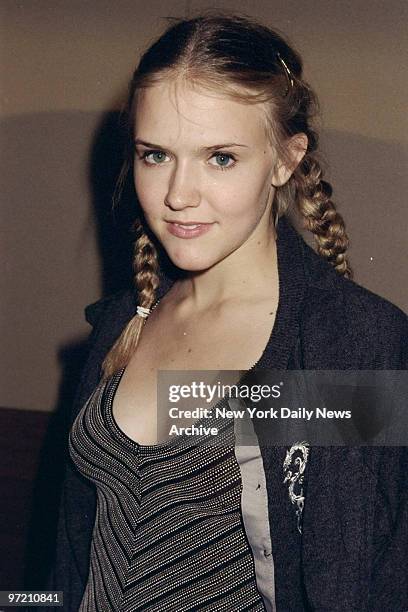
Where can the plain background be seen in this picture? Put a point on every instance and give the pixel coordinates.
(65, 67)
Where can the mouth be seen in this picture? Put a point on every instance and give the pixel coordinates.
(190, 229)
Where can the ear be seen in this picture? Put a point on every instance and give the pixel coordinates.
(295, 149)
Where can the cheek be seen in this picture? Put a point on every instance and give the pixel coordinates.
(148, 193)
(245, 199)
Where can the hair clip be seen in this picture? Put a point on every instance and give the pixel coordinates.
(289, 75)
(142, 311)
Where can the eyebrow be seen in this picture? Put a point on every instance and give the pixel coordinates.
(225, 145)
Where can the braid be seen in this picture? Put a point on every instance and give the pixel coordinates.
(146, 279)
(320, 214)
(146, 267)
(306, 187)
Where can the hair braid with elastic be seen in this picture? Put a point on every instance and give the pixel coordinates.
(146, 280)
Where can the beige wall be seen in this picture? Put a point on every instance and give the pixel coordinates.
(65, 65)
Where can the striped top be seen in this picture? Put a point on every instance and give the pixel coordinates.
(168, 533)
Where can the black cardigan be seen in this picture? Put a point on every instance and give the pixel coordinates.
(352, 554)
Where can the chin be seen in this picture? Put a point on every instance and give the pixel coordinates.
(189, 263)
(190, 266)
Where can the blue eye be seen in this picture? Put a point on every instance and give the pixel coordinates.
(223, 160)
(157, 156)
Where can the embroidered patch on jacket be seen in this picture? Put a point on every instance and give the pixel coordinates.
(293, 468)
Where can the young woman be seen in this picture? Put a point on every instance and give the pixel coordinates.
(220, 146)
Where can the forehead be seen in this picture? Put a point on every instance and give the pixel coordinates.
(171, 111)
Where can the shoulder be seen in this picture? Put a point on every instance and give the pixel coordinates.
(349, 314)
(108, 316)
(122, 303)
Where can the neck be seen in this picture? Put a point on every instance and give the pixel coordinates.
(250, 273)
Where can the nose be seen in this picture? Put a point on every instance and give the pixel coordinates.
(183, 189)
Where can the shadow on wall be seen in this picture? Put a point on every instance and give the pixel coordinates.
(115, 247)
(115, 250)
(46, 189)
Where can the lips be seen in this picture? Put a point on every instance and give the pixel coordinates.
(188, 225)
(190, 229)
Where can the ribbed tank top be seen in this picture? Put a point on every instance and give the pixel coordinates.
(168, 533)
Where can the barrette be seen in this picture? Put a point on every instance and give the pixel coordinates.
(289, 75)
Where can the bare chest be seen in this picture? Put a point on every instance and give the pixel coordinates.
(226, 343)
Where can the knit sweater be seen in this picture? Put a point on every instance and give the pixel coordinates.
(352, 553)
(168, 533)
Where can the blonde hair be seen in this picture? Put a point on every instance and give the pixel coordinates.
(245, 60)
